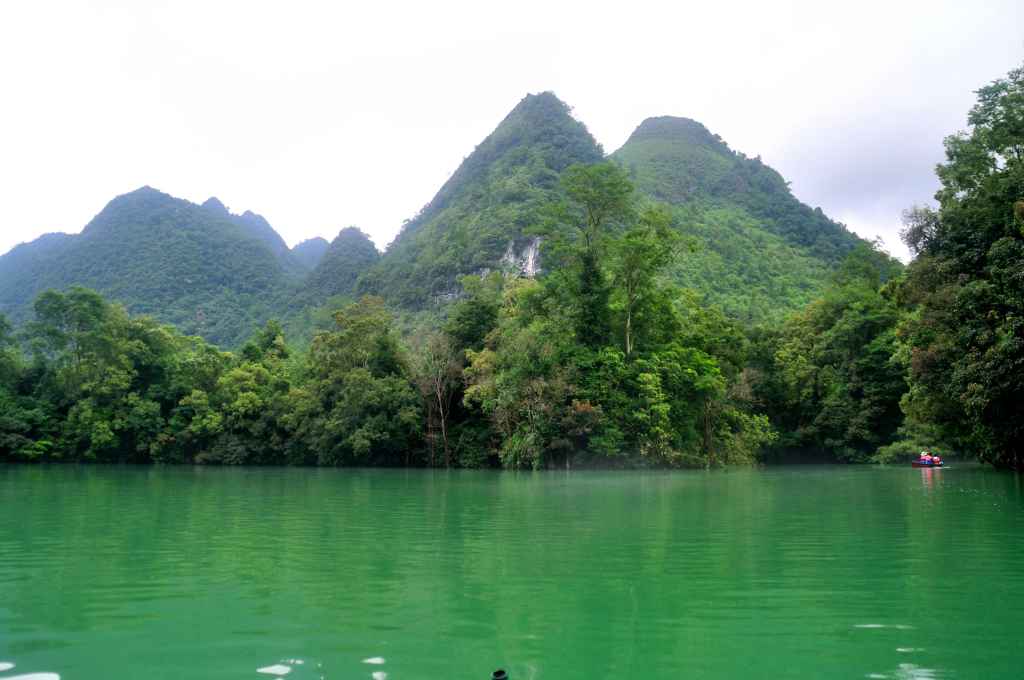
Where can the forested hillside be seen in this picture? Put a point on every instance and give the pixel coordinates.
(20, 269)
(763, 253)
(596, 362)
(962, 338)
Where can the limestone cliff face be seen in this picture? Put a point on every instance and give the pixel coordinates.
(527, 261)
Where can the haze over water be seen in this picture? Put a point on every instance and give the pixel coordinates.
(813, 572)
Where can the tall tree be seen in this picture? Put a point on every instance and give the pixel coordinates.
(439, 380)
(577, 242)
(67, 328)
(638, 256)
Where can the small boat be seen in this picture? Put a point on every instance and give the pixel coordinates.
(917, 463)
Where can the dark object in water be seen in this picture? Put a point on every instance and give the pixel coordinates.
(917, 463)
(499, 675)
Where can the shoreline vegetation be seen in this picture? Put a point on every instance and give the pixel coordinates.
(598, 359)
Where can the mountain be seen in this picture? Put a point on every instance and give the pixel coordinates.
(185, 264)
(208, 271)
(764, 253)
(308, 252)
(256, 225)
(22, 265)
(479, 215)
(350, 254)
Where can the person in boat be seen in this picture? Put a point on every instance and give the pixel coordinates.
(927, 459)
(923, 454)
(936, 461)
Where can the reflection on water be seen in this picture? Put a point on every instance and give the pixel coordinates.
(931, 480)
(908, 671)
(279, 669)
(305, 574)
(7, 665)
(879, 625)
(301, 670)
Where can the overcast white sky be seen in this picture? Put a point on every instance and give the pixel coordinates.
(321, 115)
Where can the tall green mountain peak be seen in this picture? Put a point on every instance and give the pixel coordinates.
(673, 127)
(213, 203)
(678, 160)
(763, 252)
(497, 192)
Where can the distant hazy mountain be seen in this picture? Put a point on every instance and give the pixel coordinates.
(309, 251)
(350, 254)
(764, 252)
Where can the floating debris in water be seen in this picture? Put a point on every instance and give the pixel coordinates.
(378, 660)
(6, 666)
(380, 675)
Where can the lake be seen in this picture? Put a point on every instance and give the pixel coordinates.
(787, 572)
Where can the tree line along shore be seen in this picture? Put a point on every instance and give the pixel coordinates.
(598, 360)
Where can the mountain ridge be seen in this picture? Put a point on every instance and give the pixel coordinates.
(764, 252)
(257, 225)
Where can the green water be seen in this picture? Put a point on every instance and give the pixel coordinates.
(808, 572)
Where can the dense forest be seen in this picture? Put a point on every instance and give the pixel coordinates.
(687, 311)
